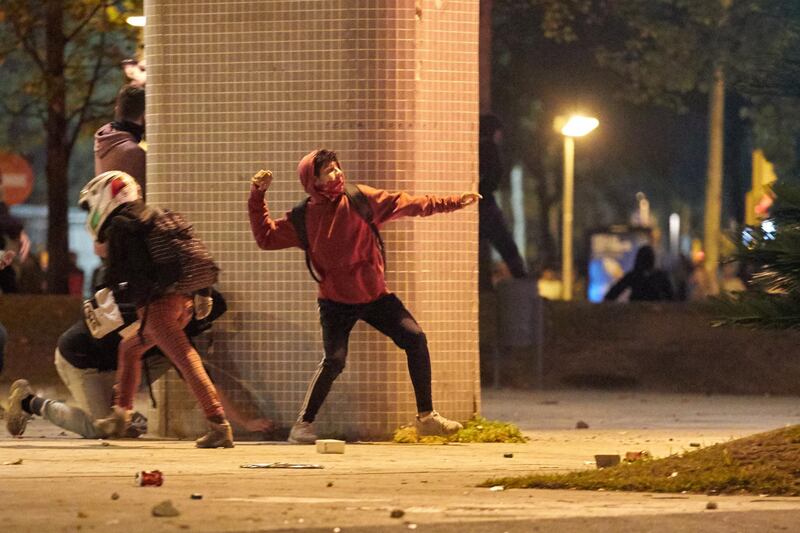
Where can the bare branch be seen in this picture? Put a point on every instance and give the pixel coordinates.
(84, 109)
(82, 24)
(27, 44)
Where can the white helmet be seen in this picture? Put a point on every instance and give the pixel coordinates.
(105, 193)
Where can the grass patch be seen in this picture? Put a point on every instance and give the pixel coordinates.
(477, 429)
(766, 463)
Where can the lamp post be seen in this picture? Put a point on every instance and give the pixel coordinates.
(137, 21)
(574, 126)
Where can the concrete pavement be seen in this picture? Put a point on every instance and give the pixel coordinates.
(66, 484)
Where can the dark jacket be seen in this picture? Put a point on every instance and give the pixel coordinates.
(646, 282)
(490, 167)
(119, 150)
(129, 270)
(10, 226)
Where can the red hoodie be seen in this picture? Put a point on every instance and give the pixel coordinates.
(343, 249)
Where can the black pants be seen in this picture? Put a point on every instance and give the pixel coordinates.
(389, 316)
(492, 230)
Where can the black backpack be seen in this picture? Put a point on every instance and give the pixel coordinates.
(297, 216)
(182, 263)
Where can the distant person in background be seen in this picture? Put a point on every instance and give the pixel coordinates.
(32, 277)
(117, 144)
(492, 225)
(14, 242)
(681, 272)
(730, 281)
(550, 285)
(701, 286)
(645, 281)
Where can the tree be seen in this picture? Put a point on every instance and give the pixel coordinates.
(666, 51)
(58, 59)
(772, 252)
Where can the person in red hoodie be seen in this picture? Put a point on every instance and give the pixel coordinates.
(345, 254)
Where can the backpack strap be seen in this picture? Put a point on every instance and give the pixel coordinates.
(297, 216)
(359, 201)
(361, 204)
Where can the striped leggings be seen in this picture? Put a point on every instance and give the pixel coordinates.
(166, 318)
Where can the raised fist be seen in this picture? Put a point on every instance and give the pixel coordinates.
(262, 179)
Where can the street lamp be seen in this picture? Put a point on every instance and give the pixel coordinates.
(574, 126)
(138, 21)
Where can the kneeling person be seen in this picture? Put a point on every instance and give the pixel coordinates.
(129, 234)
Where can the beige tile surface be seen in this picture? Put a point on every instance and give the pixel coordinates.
(392, 87)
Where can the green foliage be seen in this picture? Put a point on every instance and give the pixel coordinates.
(477, 429)
(667, 49)
(760, 464)
(774, 256)
(664, 52)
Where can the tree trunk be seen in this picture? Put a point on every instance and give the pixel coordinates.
(547, 250)
(713, 207)
(57, 151)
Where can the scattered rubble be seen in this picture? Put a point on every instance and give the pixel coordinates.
(606, 460)
(165, 509)
(329, 446)
(280, 465)
(636, 456)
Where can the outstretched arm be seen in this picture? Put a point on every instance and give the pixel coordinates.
(270, 234)
(390, 205)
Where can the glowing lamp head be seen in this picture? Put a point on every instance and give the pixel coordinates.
(578, 126)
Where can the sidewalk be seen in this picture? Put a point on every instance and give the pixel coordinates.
(65, 484)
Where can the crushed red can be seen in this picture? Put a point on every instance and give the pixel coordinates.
(149, 479)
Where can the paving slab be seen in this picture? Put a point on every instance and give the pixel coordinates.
(68, 484)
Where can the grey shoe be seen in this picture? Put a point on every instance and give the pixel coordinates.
(219, 436)
(302, 433)
(16, 417)
(435, 425)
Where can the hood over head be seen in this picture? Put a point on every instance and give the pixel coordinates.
(330, 189)
(305, 171)
(107, 137)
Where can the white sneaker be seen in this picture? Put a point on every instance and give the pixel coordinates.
(302, 433)
(435, 425)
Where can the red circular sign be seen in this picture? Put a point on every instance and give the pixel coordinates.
(16, 178)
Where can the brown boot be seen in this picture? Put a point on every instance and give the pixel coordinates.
(219, 436)
(116, 425)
